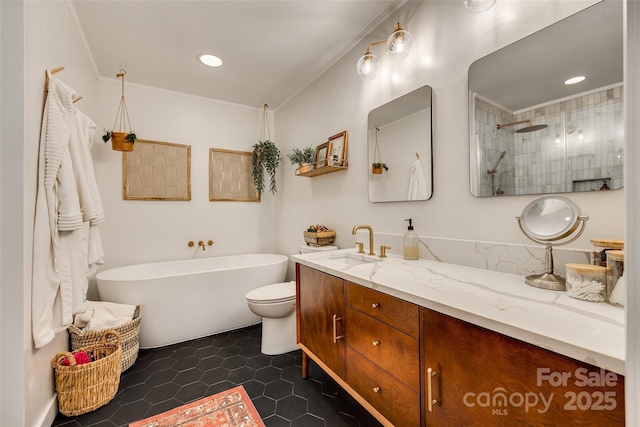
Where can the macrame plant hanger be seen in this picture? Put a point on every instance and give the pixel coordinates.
(121, 139)
(265, 125)
(377, 165)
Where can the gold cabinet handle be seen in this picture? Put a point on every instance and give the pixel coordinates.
(336, 337)
(376, 343)
(376, 389)
(430, 400)
(375, 305)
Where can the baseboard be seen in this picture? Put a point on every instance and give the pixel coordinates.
(49, 413)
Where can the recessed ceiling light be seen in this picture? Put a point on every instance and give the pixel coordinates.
(574, 80)
(210, 60)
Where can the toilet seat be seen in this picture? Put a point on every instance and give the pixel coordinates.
(272, 294)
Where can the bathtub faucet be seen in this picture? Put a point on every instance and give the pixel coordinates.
(201, 244)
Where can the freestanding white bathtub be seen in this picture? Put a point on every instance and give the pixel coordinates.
(183, 300)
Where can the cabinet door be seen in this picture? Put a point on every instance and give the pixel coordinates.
(321, 317)
(483, 378)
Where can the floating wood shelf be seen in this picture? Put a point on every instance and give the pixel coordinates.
(323, 170)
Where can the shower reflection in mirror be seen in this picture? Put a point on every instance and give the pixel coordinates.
(551, 149)
(534, 131)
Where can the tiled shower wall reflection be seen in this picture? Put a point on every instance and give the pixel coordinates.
(580, 150)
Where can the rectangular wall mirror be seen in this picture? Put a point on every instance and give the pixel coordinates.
(400, 149)
(530, 133)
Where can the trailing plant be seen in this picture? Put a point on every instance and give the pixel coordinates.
(306, 155)
(265, 159)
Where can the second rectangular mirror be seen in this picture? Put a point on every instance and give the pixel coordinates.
(400, 147)
(532, 133)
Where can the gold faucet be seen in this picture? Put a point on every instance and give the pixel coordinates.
(201, 243)
(366, 227)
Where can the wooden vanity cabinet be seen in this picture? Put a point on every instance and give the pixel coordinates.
(482, 378)
(410, 366)
(321, 318)
(366, 340)
(383, 353)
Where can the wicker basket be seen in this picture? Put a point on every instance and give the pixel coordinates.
(320, 238)
(129, 333)
(85, 388)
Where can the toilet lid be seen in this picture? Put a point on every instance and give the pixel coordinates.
(273, 293)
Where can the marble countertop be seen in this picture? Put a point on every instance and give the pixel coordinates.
(587, 331)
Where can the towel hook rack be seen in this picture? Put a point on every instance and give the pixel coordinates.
(47, 75)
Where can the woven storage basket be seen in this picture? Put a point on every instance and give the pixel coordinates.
(320, 238)
(84, 388)
(129, 333)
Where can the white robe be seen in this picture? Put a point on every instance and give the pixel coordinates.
(62, 239)
(417, 183)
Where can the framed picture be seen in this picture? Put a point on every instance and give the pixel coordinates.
(322, 151)
(157, 170)
(338, 146)
(230, 178)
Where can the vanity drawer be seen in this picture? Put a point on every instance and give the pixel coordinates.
(390, 349)
(397, 402)
(399, 314)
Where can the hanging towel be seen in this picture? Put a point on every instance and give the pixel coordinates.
(64, 242)
(417, 182)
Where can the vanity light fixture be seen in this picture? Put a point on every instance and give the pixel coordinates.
(209, 60)
(398, 46)
(574, 80)
(477, 6)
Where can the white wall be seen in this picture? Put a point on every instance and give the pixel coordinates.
(12, 324)
(632, 175)
(50, 40)
(446, 40)
(144, 231)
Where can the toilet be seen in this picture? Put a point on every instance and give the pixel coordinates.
(276, 304)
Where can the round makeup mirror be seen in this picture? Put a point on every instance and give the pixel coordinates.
(548, 220)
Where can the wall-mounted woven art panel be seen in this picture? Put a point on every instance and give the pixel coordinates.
(157, 171)
(230, 177)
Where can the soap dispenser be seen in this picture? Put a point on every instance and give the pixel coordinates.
(411, 249)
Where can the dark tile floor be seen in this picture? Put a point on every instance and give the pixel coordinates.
(167, 377)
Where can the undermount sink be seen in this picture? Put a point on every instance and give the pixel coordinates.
(350, 260)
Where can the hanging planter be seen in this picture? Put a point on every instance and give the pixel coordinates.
(377, 166)
(265, 158)
(121, 139)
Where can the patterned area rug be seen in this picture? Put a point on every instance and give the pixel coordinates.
(226, 409)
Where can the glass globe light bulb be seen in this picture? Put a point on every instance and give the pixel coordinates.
(368, 66)
(477, 6)
(399, 44)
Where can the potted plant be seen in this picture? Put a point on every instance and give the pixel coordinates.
(266, 158)
(376, 168)
(120, 141)
(303, 158)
